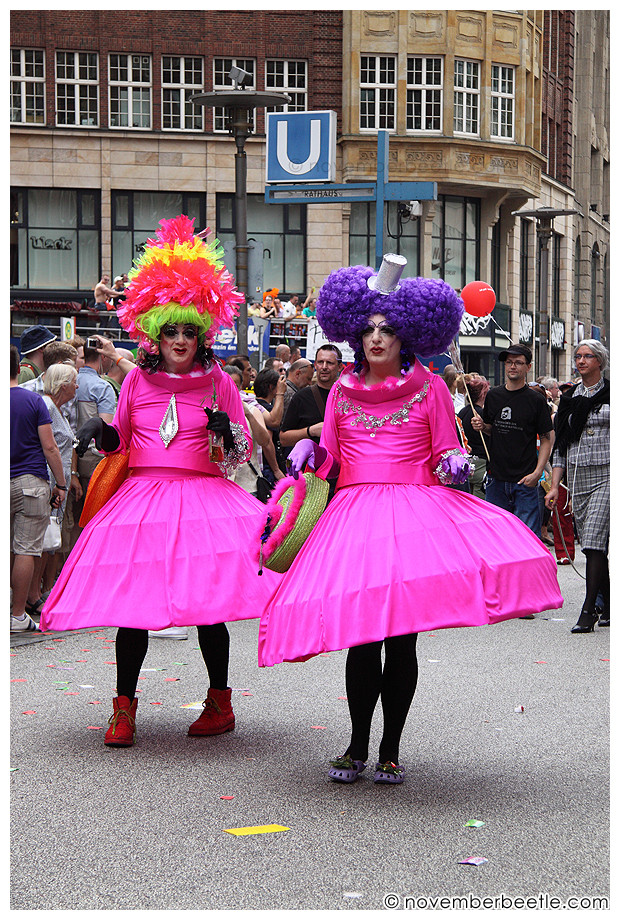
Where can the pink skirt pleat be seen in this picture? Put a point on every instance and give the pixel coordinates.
(387, 560)
(166, 550)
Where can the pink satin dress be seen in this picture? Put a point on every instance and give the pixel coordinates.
(396, 552)
(173, 546)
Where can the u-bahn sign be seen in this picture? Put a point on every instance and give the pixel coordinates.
(301, 146)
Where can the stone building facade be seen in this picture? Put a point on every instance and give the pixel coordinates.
(507, 111)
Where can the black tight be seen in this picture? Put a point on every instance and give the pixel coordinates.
(597, 579)
(131, 646)
(395, 683)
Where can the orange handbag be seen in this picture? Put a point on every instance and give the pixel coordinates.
(109, 475)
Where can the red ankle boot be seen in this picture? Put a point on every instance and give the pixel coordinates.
(217, 716)
(122, 730)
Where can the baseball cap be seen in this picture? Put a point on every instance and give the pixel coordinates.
(517, 350)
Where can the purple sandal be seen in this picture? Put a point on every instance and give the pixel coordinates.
(346, 770)
(389, 773)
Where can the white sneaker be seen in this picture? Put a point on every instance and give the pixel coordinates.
(27, 624)
(172, 632)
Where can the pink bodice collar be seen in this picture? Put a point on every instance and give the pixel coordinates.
(180, 383)
(353, 385)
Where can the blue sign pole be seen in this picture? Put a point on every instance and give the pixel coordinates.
(383, 178)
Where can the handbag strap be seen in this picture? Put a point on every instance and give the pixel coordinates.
(319, 402)
(253, 468)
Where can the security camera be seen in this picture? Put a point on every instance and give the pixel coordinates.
(238, 75)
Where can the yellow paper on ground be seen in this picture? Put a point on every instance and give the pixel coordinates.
(260, 829)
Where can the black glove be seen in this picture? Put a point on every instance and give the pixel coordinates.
(219, 423)
(106, 437)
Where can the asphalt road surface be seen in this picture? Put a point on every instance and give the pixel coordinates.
(509, 727)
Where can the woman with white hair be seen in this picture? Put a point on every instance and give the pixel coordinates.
(581, 456)
(59, 386)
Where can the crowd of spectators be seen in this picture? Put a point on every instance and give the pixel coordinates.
(57, 386)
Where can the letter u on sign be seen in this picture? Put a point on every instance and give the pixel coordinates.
(298, 169)
(301, 146)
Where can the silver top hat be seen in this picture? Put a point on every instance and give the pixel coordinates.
(387, 278)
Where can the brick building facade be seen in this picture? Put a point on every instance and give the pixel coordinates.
(507, 111)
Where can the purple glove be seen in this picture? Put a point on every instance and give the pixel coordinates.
(305, 451)
(458, 467)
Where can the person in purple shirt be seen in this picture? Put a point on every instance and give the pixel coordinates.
(32, 448)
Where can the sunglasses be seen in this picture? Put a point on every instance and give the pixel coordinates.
(383, 328)
(171, 332)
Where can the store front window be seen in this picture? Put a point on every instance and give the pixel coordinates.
(55, 239)
(136, 217)
(400, 234)
(282, 231)
(456, 234)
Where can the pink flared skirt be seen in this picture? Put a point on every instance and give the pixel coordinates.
(387, 560)
(170, 548)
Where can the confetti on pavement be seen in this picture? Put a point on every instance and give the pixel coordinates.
(259, 829)
(473, 822)
(473, 861)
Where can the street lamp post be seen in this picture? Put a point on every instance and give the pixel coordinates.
(544, 227)
(240, 102)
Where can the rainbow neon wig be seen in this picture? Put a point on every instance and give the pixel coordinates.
(179, 278)
(425, 313)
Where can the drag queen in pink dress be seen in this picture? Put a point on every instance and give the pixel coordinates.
(396, 552)
(169, 548)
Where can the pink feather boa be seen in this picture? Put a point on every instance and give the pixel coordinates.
(279, 534)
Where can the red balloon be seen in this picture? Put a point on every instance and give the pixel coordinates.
(479, 298)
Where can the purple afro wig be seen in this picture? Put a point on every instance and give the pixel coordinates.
(424, 312)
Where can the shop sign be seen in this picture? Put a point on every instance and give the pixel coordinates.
(43, 242)
(526, 328)
(474, 325)
(557, 334)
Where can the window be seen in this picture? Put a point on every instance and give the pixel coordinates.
(130, 91)
(524, 249)
(27, 86)
(502, 102)
(466, 97)
(288, 77)
(377, 93)
(77, 88)
(182, 77)
(399, 235)
(221, 80)
(282, 231)
(136, 217)
(424, 94)
(55, 239)
(555, 274)
(456, 231)
(595, 256)
(577, 277)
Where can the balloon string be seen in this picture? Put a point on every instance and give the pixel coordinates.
(503, 331)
